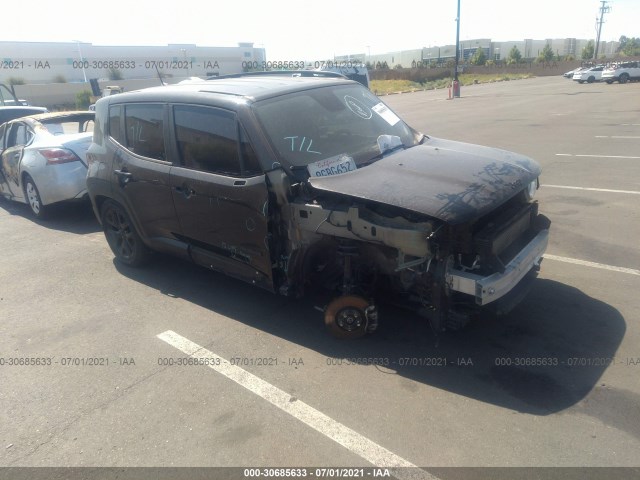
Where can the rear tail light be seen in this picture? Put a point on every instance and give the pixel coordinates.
(56, 156)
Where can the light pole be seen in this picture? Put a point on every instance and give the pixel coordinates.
(184, 56)
(84, 73)
(456, 85)
(603, 9)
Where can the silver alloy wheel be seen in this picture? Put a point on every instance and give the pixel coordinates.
(33, 197)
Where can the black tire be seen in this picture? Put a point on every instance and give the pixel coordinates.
(591, 79)
(580, 82)
(624, 78)
(609, 82)
(122, 237)
(32, 196)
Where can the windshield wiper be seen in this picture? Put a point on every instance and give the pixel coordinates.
(383, 154)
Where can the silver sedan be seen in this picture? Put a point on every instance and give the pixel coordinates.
(43, 158)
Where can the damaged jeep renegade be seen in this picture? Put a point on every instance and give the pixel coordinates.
(306, 182)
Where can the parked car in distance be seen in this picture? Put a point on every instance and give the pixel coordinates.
(12, 107)
(11, 113)
(571, 73)
(622, 72)
(43, 158)
(306, 182)
(589, 75)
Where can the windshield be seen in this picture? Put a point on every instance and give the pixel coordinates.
(330, 123)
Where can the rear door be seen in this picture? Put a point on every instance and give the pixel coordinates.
(220, 194)
(141, 171)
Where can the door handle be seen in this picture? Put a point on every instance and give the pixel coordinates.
(122, 173)
(186, 190)
(124, 177)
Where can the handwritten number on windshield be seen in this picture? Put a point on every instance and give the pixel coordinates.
(300, 144)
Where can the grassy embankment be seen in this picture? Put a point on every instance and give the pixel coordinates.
(381, 87)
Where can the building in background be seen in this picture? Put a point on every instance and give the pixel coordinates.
(59, 62)
(497, 51)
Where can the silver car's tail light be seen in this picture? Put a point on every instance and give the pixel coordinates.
(56, 156)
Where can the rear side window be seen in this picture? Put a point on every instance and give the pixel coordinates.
(115, 123)
(144, 130)
(19, 135)
(207, 139)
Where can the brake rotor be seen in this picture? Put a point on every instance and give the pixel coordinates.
(345, 317)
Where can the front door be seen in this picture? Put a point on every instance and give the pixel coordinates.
(220, 195)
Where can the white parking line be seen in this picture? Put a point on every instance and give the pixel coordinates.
(575, 261)
(632, 192)
(592, 156)
(339, 433)
(616, 136)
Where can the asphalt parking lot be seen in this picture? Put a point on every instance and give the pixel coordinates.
(556, 385)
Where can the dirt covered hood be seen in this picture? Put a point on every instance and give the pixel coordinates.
(452, 181)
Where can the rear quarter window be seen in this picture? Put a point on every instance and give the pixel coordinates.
(115, 123)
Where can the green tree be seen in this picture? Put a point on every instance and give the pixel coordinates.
(514, 55)
(115, 74)
(588, 51)
(547, 54)
(479, 58)
(632, 47)
(83, 99)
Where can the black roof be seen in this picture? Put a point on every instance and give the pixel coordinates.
(252, 87)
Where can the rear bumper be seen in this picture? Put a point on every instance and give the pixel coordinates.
(493, 287)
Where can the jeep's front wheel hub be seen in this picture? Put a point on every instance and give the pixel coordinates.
(346, 317)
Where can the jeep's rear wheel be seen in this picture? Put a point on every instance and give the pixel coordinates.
(122, 237)
(591, 79)
(624, 78)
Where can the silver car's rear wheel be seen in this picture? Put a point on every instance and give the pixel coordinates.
(33, 198)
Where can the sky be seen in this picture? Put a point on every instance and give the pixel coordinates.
(313, 30)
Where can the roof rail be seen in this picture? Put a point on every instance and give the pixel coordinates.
(292, 73)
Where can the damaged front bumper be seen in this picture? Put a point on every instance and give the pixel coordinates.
(487, 289)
